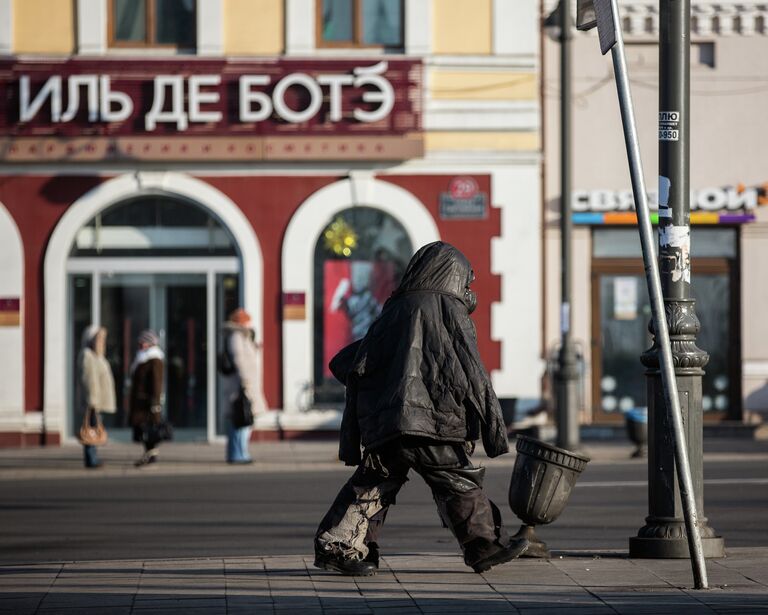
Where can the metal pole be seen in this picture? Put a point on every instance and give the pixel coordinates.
(664, 532)
(566, 378)
(657, 303)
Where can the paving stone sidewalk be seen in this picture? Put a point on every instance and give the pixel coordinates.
(572, 583)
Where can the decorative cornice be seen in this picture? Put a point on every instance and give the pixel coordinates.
(708, 19)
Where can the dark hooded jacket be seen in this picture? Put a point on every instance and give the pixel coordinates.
(418, 371)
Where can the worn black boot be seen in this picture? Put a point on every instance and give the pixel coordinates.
(373, 554)
(514, 549)
(327, 559)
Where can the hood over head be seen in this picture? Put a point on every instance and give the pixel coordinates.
(438, 267)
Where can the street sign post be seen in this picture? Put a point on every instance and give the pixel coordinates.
(605, 15)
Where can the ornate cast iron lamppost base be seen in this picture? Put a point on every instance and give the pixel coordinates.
(664, 535)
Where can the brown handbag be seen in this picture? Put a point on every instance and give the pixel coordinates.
(92, 435)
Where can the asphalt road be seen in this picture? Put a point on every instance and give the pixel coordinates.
(243, 514)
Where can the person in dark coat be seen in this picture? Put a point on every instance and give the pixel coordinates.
(417, 397)
(146, 395)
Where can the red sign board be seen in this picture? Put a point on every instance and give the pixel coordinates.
(84, 109)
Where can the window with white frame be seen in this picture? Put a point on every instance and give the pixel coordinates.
(153, 23)
(360, 23)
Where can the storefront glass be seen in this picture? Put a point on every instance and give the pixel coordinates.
(359, 260)
(153, 226)
(162, 264)
(621, 313)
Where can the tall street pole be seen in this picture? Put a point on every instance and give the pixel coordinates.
(567, 375)
(664, 534)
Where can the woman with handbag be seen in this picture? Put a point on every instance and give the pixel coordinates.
(145, 398)
(97, 391)
(241, 383)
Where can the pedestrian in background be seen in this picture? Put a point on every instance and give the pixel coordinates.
(146, 393)
(418, 397)
(241, 384)
(97, 385)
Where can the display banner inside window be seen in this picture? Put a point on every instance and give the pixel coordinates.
(360, 258)
(355, 292)
(82, 109)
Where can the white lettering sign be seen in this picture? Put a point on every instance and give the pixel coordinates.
(706, 199)
(669, 122)
(108, 99)
(248, 97)
(182, 101)
(28, 110)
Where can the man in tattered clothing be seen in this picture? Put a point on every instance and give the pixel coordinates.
(418, 397)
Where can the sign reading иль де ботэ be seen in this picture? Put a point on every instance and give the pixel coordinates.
(170, 109)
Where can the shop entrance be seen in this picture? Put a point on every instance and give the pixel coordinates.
(184, 308)
(181, 283)
(621, 313)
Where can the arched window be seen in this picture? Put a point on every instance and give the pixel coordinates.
(153, 225)
(359, 260)
(156, 262)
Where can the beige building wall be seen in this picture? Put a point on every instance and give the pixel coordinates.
(449, 84)
(728, 147)
(253, 27)
(462, 26)
(581, 297)
(44, 27)
(481, 141)
(754, 324)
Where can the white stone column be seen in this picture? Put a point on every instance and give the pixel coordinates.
(91, 27)
(210, 28)
(418, 27)
(299, 27)
(6, 27)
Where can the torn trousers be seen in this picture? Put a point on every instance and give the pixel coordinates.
(357, 515)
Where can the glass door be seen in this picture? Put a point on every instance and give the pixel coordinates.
(620, 316)
(175, 307)
(184, 307)
(621, 313)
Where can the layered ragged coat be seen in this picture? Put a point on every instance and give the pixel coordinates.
(418, 370)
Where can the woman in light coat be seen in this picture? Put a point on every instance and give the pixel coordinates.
(97, 385)
(244, 354)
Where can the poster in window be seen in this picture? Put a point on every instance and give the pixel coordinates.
(354, 293)
(625, 298)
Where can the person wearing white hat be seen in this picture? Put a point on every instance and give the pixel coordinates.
(97, 385)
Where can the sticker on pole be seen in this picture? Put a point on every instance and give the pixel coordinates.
(669, 125)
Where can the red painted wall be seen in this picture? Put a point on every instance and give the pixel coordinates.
(473, 238)
(38, 202)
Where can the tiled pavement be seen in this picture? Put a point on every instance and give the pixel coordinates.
(572, 583)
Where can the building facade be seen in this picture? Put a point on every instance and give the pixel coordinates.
(729, 152)
(165, 162)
